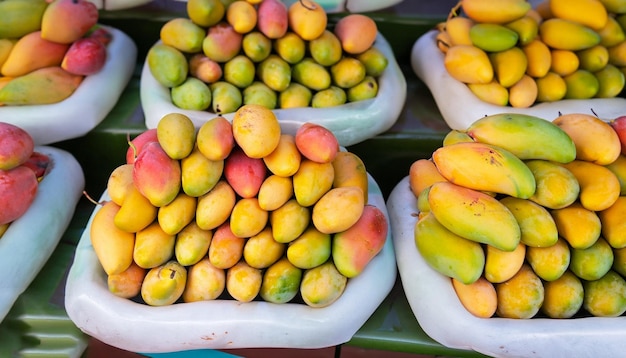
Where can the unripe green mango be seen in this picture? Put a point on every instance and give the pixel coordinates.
(274, 72)
(225, 97)
(605, 297)
(295, 96)
(164, 284)
(492, 37)
(281, 282)
(260, 93)
(366, 89)
(329, 97)
(18, 18)
(593, 262)
(167, 64)
(311, 74)
(192, 94)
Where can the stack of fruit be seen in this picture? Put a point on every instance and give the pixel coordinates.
(47, 49)
(526, 215)
(511, 54)
(236, 211)
(263, 52)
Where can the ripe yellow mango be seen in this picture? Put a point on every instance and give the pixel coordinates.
(261, 250)
(563, 297)
(509, 65)
(495, 11)
(215, 138)
(205, 282)
(256, 130)
(192, 244)
(605, 297)
(523, 93)
(281, 282)
(612, 33)
(521, 296)
(310, 249)
(113, 247)
(468, 64)
(478, 297)
(590, 13)
(550, 87)
(127, 284)
(322, 285)
(338, 209)
(527, 28)
(492, 92)
(593, 262)
(164, 284)
(595, 140)
(285, 159)
(312, 181)
(247, 218)
(153, 246)
(564, 62)
(539, 58)
(549, 262)
(537, 226)
(199, 174)
(289, 221)
(593, 58)
(243, 282)
(557, 187)
(119, 182)
(214, 207)
(274, 192)
(613, 223)
(579, 226)
(226, 249)
(174, 216)
(422, 174)
(563, 34)
(350, 171)
(502, 265)
(458, 28)
(618, 167)
(136, 212)
(599, 187)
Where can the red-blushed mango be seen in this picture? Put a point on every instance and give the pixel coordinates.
(136, 144)
(550, 262)
(274, 192)
(422, 174)
(356, 32)
(226, 249)
(338, 209)
(521, 296)
(355, 247)
(23, 59)
(261, 250)
(312, 181)
(156, 175)
(350, 171)
(153, 246)
(17, 146)
(322, 285)
(215, 138)
(18, 189)
(176, 134)
(222, 42)
(174, 216)
(308, 19)
(256, 130)
(127, 284)
(479, 297)
(316, 143)
(182, 34)
(289, 221)
(205, 282)
(119, 182)
(247, 218)
(285, 159)
(243, 282)
(244, 174)
(310, 249)
(214, 207)
(113, 247)
(281, 282)
(272, 18)
(204, 69)
(199, 174)
(164, 285)
(136, 212)
(192, 244)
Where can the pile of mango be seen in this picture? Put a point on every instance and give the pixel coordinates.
(526, 216)
(236, 211)
(510, 54)
(261, 52)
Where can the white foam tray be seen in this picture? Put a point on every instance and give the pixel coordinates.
(460, 107)
(87, 106)
(441, 315)
(30, 240)
(221, 324)
(351, 123)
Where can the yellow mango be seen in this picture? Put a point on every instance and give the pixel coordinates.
(174, 216)
(599, 187)
(509, 65)
(454, 136)
(557, 187)
(338, 209)
(285, 159)
(468, 64)
(226, 249)
(182, 34)
(613, 223)
(521, 296)
(479, 297)
(458, 29)
(550, 88)
(136, 212)
(295, 96)
(563, 297)
(539, 58)
(502, 265)
(595, 140)
(617, 54)
(618, 167)
(261, 250)
(243, 282)
(619, 261)
(274, 192)
(549, 262)
(593, 262)
(247, 218)
(563, 34)
(579, 226)
(164, 284)
(564, 62)
(113, 247)
(310, 249)
(581, 84)
(119, 182)
(350, 171)
(214, 207)
(611, 81)
(215, 138)
(256, 130)
(590, 13)
(527, 28)
(153, 246)
(322, 285)
(612, 33)
(443, 41)
(492, 92)
(495, 11)
(311, 74)
(127, 284)
(523, 94)
(605, 297)
(281, 282)
(199, 174)
(205, 282)
(537, 226)
(312, 181)
(289, 221)
(192, 244)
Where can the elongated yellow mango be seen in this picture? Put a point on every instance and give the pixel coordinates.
(539, 58)
(474, 215)
(524, 135)
(550, 87)
(557, 187)
(523, 93)
(613, 223)
(599, 187)
(458, 28)
(536, 225)
(485, 167)
(492, 92)
(495, 11)
(579, 226)
(567, 35)
(594, 138)
(527, 28)
(590, 13)
(468, 64)
(502, 265)
(509, 65)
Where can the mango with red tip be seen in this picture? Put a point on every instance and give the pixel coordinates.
(160, 189)
(244, 174)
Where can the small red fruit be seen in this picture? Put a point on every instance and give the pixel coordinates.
(619, 124)
(86, 56)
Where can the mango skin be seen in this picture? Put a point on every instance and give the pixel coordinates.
(214, 208)
(312, 181)
(289, 221)
(350, 171)
(243, 282)
(199, 174)
(285, 160)
(261, 250)
(579, 226)
(338, 209)
(316, 143)
(226, 249)
(563, 297)
(592, 262)
(205, 282)
(174, 216)
(136, 211)
(164, 284)
(244, 174)
(322, 285)
(127, 284)
(247, 218)
(275, 192)
(159, 189)
(605, 297)
(521, 296)
(479, 297)
(153, 246)
(537, 227)
(281, 282)
(599, 186)
(176, 134)
(310, 249)
(551, 262)
(119, 183)
(502, 265)
(556, 187)
(192, 244)
(167, 64)
(113, 247)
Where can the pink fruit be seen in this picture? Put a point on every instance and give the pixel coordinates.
(18, 187)
(156, 175)
(222, 42)
(102, 34)
(273, 18)
(38, 163)
(619, 124)
(65, 21)
(316, 143)
(244, 174)
(86, 56)
(17, 146)
(137, 144)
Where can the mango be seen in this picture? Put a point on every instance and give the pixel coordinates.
(581, 84)
(259, 93)
(290, 47)
(612, 33)
(136, 144)
(159, 189)
(492, 92)
(199, 174)
(153, 246)
(261, 250)
(274, 72)
(256, 130)
(593, 58)
(164, 284)
(322, 285)
(563, 34)
(167, 64)
(222, 42)
(613, 225)
(526, 27)
(550, 88)
(502, 265)
(496, 12)
(350, 171)
(242, 16)
(119, 183)
(192, 244)
(247, 218)
(19, 18)
(215, 138)
(285, 159)
(176, 134)
(312, 181)
(593, 262)
(619, 261)
(274, 192)
(347, 72)
(618, 167)
(308, 19)
(326, 48)
(225, 97)
(281, 282)
(272, 18)
(537, 227)
(549, 262)
(329, 97)
(244, 174)
(478, 298)
(243, 282)
(214, 207)
(256, 46)
(205, 282)
(32, 52)
(455, 136)
(295, 96)
(448, 253)
(127, 284)
(521, 296)
(192, 94)
(204, 69)
(539, 58)
(564, 62)
(599, 187)
(563, 297)
(289, 221)
(205, 12)
(523, 93)
(422, 174)
(509, 65)
(356, 32)
(46, 85)
(588, 13)
(136, 212)
(581, 227)
(611, 81)
(226, 249)
(338, 209)
(311, 74)
(239, 71)
(311, 249)
(556, 186)
(374, 60)
(468, 64)
(17, 146)
(492, 37)
(174, 216)
(182, 34)
(617, 54)
(113, 247)
(606, 296)
(316, 143)
(366, 89)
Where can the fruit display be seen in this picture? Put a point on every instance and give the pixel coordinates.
(288, 59)
(39, 188)
(232, 215)
(54, 60)
(515, 220)
(540, 60)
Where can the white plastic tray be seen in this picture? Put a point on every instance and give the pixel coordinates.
(440, 313)
(30, 240)
(351, 123)
(460, 107)
(222, 324)
(87, 106)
